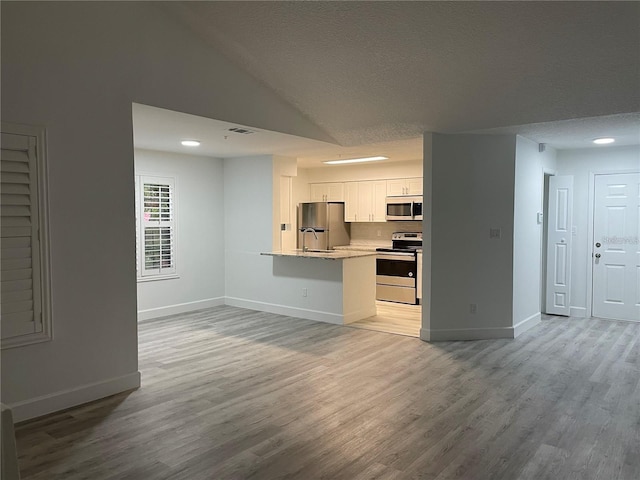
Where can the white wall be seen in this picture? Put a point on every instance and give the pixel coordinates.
(371, 171)
(264, 282)
(199, 233)
(75, 68)
(581, 163)
(527, 235)
(472, 191)
(379, 233)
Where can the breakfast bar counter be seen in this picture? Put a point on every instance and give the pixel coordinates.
(340, 281)
(325, 254)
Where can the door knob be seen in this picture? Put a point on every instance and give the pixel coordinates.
(598, 244)
(598, 255)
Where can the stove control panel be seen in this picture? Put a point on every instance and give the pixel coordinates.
(406, 236)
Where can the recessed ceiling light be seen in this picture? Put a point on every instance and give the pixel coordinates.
(603, 140)
(190, 143)
(356, 160)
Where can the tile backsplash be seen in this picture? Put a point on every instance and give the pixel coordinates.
(380, 233)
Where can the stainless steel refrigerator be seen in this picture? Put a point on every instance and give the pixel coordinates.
(327, 221)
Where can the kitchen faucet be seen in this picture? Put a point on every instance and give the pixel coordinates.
(308, 229)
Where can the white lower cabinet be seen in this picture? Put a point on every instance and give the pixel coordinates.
(365, 201)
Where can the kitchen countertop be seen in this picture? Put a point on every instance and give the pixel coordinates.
(361, 247)
(332, 255)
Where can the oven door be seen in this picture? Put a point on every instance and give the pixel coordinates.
(396, 268)
(396, 277)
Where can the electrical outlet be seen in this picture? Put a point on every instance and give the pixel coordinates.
(495, 233)
(379, 233)
(473, 308)
(304, 292)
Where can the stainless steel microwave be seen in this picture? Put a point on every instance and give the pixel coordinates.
(404, 208)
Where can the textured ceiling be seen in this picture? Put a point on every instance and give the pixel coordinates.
(159, 129)
(370, 72)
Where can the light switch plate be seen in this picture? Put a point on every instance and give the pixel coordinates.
(540, 218)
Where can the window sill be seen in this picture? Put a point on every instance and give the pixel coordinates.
(157, 277)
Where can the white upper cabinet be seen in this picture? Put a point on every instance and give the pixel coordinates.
(379, 203)
(350, 201)
(404, 186)
(365, 201)
(326, 192)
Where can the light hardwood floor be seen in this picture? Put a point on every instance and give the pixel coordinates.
(396, 318)
(236, 394)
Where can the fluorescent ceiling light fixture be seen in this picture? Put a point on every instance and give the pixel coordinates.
(190, 143)
(603, 140)
(356, 160)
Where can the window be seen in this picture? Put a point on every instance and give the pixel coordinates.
(24, 273)
(155, 227)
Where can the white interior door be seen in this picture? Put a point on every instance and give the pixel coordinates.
(559, 244)
(616, 249)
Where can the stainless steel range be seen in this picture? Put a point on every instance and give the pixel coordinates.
(397, 268)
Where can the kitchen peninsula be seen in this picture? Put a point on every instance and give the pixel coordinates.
(339, 286)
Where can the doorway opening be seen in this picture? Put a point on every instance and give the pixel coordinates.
(615, 246)
(612, 283)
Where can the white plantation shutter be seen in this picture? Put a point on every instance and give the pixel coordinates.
(21, 279)
(156, 232)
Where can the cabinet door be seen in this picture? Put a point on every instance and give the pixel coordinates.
(335, 192)
(379, 204)
(365, 197)
(318, 192)
(285, 199)
(414, 186)
(351, 201)
(396, 188)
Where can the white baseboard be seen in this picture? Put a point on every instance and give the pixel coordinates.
(455, 334)
(335, 318)
(425, 334)
(36, 407)
(530, 322)
(179, 308)
(580, 312)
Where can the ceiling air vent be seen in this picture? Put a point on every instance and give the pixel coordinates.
(243, 131)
